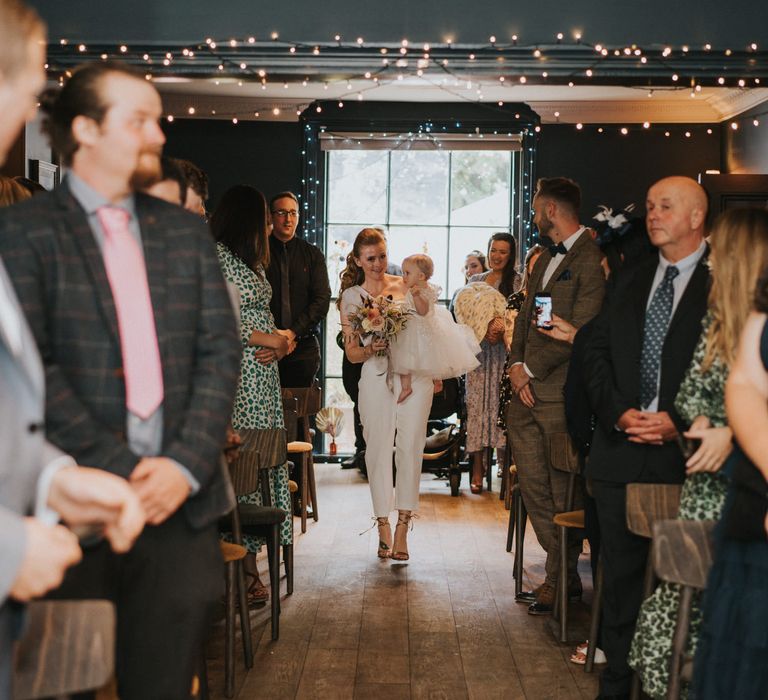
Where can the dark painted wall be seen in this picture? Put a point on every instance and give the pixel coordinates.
(266, 155)
(745, 151)
(620, 21)
(617, 170)
(612, 169)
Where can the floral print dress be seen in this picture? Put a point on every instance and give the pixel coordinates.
(702, 498)
(482, 393)
(258, 401)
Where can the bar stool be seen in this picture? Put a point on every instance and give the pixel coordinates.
(308, 403)
(682, 554)
(648, 504)
(518, 518)
(570, 520)
(298, 447)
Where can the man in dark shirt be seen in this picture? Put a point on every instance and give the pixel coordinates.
(301, 293)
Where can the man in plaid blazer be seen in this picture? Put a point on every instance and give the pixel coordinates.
(570, 271)
(104, 124)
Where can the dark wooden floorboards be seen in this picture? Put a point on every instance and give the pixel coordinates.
(442, 626)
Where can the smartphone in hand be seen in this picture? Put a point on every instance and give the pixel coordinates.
(543, 302)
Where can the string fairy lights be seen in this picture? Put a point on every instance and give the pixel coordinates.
(354, 66)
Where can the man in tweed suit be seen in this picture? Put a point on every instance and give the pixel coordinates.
(570, 271)
(104, 124)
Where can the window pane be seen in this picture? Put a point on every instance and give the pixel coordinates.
(332, 351)
(357, 186)
(463, 241)
(403, 241)
(480, 182)
(338, 244)
(336, 396)
(419, 183)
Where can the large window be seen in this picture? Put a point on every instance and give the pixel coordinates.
(444, 201)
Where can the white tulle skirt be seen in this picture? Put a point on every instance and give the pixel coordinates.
(435, 346)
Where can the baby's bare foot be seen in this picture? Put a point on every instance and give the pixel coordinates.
(405, 392)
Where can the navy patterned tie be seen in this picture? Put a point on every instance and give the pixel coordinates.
(655, 331)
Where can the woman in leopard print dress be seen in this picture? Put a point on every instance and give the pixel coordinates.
(738, 256)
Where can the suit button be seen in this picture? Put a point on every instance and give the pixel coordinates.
(119, 373)
(34, 427)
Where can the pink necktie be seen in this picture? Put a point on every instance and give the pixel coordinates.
(127, 274)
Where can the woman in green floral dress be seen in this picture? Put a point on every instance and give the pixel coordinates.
(240, 225)
(738, 256)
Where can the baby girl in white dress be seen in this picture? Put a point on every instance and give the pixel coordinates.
(432, 344)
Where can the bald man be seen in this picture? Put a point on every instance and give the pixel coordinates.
(641, 346)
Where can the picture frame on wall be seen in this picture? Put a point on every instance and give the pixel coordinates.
(47, 174)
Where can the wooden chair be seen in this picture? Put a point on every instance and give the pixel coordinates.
(682, 554)
(68, 647)
(262, 450)
(646, 505)
(308, 403)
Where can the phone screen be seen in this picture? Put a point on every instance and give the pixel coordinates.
(543, 302)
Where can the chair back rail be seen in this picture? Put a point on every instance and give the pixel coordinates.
(649, 503)
(260, 449)
(291, 418)
(68, 647)
(308, 399)
(682, 551)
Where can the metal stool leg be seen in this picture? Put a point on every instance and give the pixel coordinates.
(594, 619)
(489, 469)
(288, 561)
(521, 516)
(303, 492)
(273, 553)
(245, 620)
(562, 583)
(511, 524)
(229, 631)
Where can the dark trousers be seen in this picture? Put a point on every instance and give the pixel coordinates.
(350, 376)
(299, 369)
(165, 590)
(624, 559)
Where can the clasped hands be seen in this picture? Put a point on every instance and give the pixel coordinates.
(284, 344)
(83, 497)
(495, 331)
(647, 427)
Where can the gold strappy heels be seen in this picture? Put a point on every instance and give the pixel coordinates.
(403, 521)
(385, 538)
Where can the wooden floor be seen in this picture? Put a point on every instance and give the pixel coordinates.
(443, 625)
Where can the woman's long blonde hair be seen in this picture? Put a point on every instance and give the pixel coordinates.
(739, 243)
(352, 274)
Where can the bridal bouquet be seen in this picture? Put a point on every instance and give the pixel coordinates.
(381, 317)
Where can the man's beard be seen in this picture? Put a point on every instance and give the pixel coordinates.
(148, 171)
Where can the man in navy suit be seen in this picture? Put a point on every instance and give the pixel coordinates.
(640, 347)
(156, 416)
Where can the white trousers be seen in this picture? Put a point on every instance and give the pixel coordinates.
(387, 423)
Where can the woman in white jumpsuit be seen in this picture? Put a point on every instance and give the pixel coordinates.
(385, 422)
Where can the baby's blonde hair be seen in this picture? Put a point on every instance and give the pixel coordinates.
(423, 263)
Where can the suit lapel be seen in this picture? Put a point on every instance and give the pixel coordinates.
(567, 259)
(154, 243)
(76, 221)
(696, 287)
(27, 356)
(643, 283)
